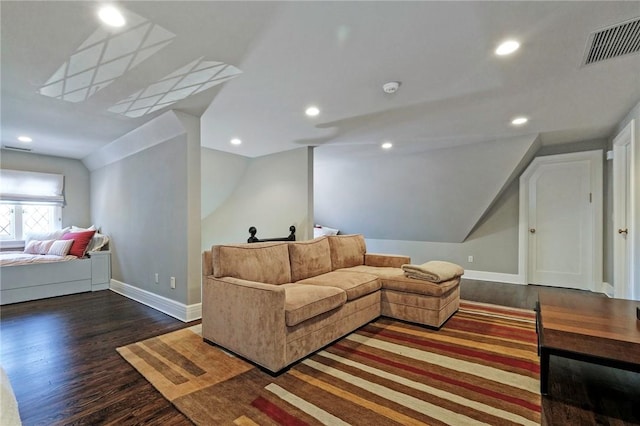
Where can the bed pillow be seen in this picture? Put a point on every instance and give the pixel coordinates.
(43, 236)
(80, 243)
(97, 242)
(38, 247)
(60, 247)
(320, 231)
(78, 229)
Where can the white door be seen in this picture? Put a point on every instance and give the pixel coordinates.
(562, 226)
(622, 272)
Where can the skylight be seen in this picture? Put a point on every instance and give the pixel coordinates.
(188, 80)
(105, 56)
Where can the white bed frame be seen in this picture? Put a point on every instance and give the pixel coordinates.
(20, 283)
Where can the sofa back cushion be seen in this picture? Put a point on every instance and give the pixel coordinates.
(261, 262)
(346, 251)
(309, 258)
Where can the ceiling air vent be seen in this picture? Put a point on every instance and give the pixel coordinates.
(611, 42)
(16, 148)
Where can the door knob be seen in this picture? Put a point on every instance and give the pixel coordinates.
(623, 231)
(532, 230)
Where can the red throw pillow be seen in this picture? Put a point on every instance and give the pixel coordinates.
(80, 242)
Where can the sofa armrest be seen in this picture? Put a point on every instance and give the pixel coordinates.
(247, 318)
(385, 260)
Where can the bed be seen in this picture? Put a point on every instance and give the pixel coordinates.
(28, 276)
(39, 280)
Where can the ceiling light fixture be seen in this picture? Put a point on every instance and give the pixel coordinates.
(235, 141)
(507, 47)
(387, 145)
(312, 111)
(25, 139)
(519, 121)
(111, 16)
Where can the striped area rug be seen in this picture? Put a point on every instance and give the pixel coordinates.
(481, 367)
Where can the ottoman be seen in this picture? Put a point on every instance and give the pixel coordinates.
(414, 300)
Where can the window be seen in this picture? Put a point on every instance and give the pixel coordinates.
(18, 220)
(29, 202)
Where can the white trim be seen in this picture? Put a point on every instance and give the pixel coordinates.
(624, 281)
(184, 313)
(607, 289)
(494, 276)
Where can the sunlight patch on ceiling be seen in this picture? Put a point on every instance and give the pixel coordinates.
(188, 80)
(104, 56)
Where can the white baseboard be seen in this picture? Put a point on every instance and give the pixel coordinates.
(607, 289)
(494, 276)
(185, 313)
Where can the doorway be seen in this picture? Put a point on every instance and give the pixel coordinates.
(623, 217)
(561, 221)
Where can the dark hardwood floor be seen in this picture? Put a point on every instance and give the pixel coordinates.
(60, 356)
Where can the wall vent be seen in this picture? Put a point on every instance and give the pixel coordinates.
(16, 148)
(611, 42)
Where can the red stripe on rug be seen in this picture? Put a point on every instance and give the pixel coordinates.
(525, 365)
(276, 413)
(461, 324)
(468, 386)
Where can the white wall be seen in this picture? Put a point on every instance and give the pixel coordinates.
(148, 201)
(491, 244)
(76, 181)
(221, 174)
(271, 193)
(436, 195)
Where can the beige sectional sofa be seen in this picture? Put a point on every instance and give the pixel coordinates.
(274, 303)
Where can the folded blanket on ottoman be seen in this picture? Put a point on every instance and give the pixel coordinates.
(436, 271)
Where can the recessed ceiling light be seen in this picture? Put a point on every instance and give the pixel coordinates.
(312, 111)
(387, 145)
(25, 139)
(235, 141)
(519, 121)
(111, 16)
(507, 47)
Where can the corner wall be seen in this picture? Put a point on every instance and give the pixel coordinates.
(148, 202)
(271, 193)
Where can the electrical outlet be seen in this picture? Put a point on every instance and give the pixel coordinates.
(470, 259)
(157, 278)
(173, 282)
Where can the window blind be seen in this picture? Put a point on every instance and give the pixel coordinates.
(21, 187)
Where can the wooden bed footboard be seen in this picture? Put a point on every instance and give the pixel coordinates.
(254, 239)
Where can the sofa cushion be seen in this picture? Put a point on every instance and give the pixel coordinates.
(346, 251)
(355, 284)
(309, 258)
(394, 279)
(303, 302)
(261, 262)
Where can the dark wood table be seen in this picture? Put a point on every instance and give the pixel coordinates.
(587, 327)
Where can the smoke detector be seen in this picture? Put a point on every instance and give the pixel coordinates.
(391, 87)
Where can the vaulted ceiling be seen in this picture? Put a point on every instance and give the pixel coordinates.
(250, 69)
